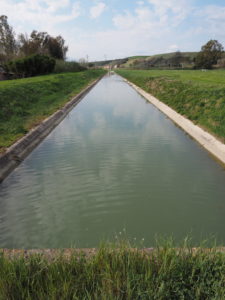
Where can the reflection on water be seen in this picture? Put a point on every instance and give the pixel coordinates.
(115, 162)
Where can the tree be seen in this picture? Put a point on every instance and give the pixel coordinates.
(43, 43)
(176, 59)
(56, 47)
(209, 54)
(82, 61)
(8, 44)
(35, 43)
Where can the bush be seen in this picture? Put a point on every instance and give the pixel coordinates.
(33, 65)
(62, 66)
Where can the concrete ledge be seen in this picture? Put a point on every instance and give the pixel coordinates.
(67, 253)
(208, 141)
(18, 151)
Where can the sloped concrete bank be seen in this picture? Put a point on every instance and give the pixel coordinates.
(18, 151)
(209, 142)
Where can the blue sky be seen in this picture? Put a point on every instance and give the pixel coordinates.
(120, 28)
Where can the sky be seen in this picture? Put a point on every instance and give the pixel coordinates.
(110, 29)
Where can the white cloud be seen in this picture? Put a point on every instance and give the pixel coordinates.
(140, 3)
(124, 21)
(163, 6)
(138, 32)
(214, 19)
(97, 10)
(75, 10)
(173, 47)
(143, 23)
(54, 5)
(43, 13)
(179, 9)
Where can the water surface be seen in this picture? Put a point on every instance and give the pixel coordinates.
(115, 162)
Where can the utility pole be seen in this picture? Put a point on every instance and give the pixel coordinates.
(105, 56)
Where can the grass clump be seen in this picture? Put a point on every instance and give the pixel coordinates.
(24, 103)
(199, 96)
(116, 271)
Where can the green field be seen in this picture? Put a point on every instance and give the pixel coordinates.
(26, 102)
(115, 271)
(198, 95)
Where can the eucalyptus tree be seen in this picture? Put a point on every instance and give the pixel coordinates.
(8, 43)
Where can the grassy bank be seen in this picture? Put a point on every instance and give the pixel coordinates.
(200, 96)
(116, 272)
(26, 102)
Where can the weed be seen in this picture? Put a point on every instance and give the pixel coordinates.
(117, 271)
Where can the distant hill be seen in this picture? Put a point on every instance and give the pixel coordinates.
(164, 60)
(119, 61)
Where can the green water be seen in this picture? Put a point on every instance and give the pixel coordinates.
(114, 163)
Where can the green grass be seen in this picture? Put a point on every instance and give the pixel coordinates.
(26, 102)
(116, 271)
(200, 96)
(139, 56)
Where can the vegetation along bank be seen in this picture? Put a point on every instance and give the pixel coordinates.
(197, 95)
(26, 102)
(114, 271)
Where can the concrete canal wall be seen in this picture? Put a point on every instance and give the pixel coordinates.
(18, 151)
(209, 142)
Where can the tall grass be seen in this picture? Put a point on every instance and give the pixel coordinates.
(116, 271)
(200, 96)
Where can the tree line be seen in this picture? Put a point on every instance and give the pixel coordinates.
(12, 47)
(29, 55)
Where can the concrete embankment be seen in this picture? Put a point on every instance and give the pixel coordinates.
(209, 142)
(18, 151)
(51, 254)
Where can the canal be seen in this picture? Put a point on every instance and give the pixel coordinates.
(114, 163)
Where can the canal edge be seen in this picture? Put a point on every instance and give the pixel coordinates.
(16, 153)
(68, 253)
(204, 138)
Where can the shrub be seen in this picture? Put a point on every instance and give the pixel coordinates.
(33, 65)
(62, 66)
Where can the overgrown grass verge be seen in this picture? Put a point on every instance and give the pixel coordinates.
(199, 96)
(116, 271)
(26, 102)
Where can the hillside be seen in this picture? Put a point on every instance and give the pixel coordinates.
(164, 60)
(174, 59)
